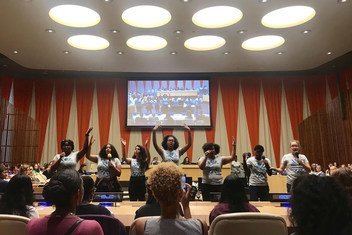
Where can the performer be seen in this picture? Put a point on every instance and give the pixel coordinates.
(211, 165)
(108, 169)
(139, 163)
(170, 151)
(259, 167)
(296, 164)
(68, 158)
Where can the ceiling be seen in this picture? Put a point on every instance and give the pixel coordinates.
(23, 26)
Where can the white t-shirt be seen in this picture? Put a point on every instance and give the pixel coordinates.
(258, 175)
(237, 169)
(212, 171)
(293, 168)
(69, 161)
(172, 156)
(103, 167)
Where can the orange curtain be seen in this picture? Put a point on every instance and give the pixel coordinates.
(105, 97)
(22, 89)
(6, 83)
(121, 85)
(63, 94)
(251, 98)
(316, 92)
(230, 94)
(272, 93)
(294, 97)
(214, 86)
(43, 96)
(332, 82)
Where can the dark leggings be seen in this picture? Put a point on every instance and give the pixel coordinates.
(136, 188)
(207, 189)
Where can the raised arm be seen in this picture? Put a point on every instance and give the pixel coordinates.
(124, 158)
(147, 151)
(92, 158)
(83, 151)
(189, 141)
(155, 144)
(233, 156)
(202, 162)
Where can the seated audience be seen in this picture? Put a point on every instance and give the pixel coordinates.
(65, 191)
(344, 177)
(151, 207)
(86, 208)
(18, 198)
(186, 161)
(47, 171)
(233, 198)
(319, 206)
(318, 171)
(3, 178)
(165, 183)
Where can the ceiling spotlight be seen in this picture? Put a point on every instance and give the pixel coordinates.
(15, 52)
(185, 1)
(66, 52)
(329, 53)
(226, 52)
(173, 52)
(178, 31)
(280, 53)
(114, 31)
(120, 52)
(107, 0)
(242, 31)
(306, 31)
(50, 31)
(341, 1)
(263, 1)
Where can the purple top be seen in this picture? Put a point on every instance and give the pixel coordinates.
(224, 208)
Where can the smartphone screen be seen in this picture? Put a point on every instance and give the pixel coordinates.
(183, 182)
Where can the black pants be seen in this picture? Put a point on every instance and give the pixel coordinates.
(209, 191)
(288, 187)
(259, 192)
(136, 188)
(108, 185)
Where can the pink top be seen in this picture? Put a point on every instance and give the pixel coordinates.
(223, 208)
(60, 225)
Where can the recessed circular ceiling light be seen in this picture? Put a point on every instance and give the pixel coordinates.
(15, 52)
(178, 31)
(217, 17)
(242, 31)
(306, 31)
(146, 16)
(120, 52)
(280, 53)
(204, 43)
(329, 53)
(263, 43)
(288, 17)
(74, 16)
(226, 52)
(173, 53)
(66, 52)
(50, 31)
(88, 42)
(146, 43)
(114, 31)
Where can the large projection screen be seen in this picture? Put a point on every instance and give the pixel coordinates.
(168, 103)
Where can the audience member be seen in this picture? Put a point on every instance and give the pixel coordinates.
(211, 165)
(186, 161)
(319, 206)
(344, 177)
(170, 151)
(155, 161)
(68, 158)
(318, 171)
(259, 167)
(151, 207)
(233, 198)
(3, 178)
(296, 164)
(86, 207)
(18, 197)
(165, 183)
(65, 191)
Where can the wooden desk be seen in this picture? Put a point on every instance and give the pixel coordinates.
(125, 211)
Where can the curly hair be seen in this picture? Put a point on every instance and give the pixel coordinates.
(165, 182)
(319, 206)
(18, 195)
(344, 177)
(209, 146)
(164, 143)
(70, 143)
(61, 187)
(114, 154)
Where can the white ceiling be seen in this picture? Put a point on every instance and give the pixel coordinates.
(23, 24)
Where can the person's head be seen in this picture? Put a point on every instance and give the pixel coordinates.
(344, 177)
(215, 148)
(233, 191)
(18, 195)
(25, 169)
(165, 183)
(170, 142)
(318, 168)
(67, 146)
(295, 146)
(64, 190)
(36, 167)
(108, 149)
(258, 151)
(3, 172)
(186, 160)
(319, 206)
(313, 166)
(89, 188)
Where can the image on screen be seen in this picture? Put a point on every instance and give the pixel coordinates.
(168, 103)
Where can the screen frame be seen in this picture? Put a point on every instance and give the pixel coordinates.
(135, 127)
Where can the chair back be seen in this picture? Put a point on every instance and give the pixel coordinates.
(248, 223)
(109, 224)
(13, 224)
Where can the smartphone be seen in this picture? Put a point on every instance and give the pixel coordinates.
(183, 182)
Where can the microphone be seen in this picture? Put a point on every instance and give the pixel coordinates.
(263, 157)
(109, 156)
(296, 154)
